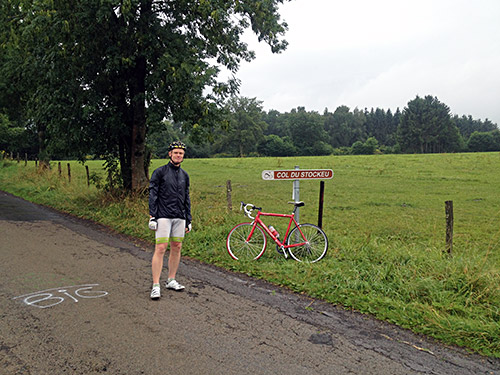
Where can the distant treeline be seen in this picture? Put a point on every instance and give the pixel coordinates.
(424, 126)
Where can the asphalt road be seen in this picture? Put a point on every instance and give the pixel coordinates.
(74, 299)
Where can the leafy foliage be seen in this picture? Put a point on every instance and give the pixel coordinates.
(246, 127)
(102, 72)
(274, 145)
(367, 148)
(467, 125)
(484, 141)
(345, 127)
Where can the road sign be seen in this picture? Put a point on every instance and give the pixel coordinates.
(298, 174)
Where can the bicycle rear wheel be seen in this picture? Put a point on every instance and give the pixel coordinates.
(315, 247)
(241, 249)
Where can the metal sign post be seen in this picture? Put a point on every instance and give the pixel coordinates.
(296, 195)
(296, 175)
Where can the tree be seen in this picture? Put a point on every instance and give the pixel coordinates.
(484, 141)
(345, 127)
(467, 125)
(378, 124)
(18, 133)
(277, 123)
(159, 138)
(371, 145)
(15, 139)
(10, 89)
(246, 127)
(274, 145)
(367, 148)
(392, 137)
(30, 68)
(112, 68)
(307, 132)
(426, 127)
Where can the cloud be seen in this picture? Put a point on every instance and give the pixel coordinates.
(382, 54)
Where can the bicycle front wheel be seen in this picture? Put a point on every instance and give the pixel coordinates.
(315, 243)
(240, 247)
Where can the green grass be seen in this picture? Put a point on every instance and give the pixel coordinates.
(384, 216)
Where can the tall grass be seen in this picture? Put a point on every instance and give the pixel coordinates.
(384, 216)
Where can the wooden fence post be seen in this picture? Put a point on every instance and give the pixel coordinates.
(59, 168)
(69, 173)
(228, 192)
(25, 159)
(449, 226)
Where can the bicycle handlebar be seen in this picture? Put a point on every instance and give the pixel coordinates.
(248, 208)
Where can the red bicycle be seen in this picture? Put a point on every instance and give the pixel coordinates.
(304, 242)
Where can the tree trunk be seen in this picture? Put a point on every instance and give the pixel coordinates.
(43, 155)
(134, 173)
(123, 147)
(139, 180)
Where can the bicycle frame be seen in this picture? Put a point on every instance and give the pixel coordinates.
(258, 221)
(303, 242)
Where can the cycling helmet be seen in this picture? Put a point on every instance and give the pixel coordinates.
(176, 144)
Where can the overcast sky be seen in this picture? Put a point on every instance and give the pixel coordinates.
(381, 54)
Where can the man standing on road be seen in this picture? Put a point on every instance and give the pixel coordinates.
(170, 215)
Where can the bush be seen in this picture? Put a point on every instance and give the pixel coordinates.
(367, 148)
(274, 145)
(223, 155)
(341, 151)
(484, 141)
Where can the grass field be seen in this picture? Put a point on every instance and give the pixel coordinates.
(384, 216)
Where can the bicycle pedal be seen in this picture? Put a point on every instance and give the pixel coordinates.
(279, 250)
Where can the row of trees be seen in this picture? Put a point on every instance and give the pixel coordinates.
(424, 126)
(120, 79)
(252, 132)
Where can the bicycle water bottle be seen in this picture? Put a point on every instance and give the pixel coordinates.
(274, 232)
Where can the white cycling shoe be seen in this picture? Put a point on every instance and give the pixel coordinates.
(155, 293)
(173, 284)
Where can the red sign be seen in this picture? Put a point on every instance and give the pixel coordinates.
(298, 174)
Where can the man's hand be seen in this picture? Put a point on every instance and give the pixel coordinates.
(188, 228)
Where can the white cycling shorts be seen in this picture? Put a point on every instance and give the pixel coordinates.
(170, 230)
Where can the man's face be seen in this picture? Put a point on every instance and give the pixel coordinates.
(176, 155)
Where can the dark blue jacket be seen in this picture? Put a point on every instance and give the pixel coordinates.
(169, 193)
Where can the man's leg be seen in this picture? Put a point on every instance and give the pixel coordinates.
(174, 259)
(157, 262)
